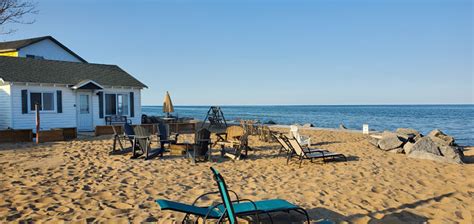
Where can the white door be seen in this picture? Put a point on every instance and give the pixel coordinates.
(84, 113)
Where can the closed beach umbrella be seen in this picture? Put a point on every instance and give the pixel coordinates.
(167, 104)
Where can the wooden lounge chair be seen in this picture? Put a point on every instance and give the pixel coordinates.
(230, 209)
(285, 146)
(303, 140)
(312, 153)
(200, 150)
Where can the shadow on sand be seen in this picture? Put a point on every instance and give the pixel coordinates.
(389, 215)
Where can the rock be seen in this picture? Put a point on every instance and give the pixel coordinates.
(396, 150)
(426, 148)
(341, 126)
(430, 156)
(407, 147)
(439, 141)
(308, 125)
(436, 133)
(425, 144)
(389, 141)
(374, 141)
(407, 134)
(270, 122)
(452, 153)
(417, 137)
(407, 131)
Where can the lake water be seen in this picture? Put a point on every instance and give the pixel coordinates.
(455, 120)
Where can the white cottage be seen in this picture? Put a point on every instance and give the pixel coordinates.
(70, 91)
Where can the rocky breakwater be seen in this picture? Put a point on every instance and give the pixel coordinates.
(435, 146)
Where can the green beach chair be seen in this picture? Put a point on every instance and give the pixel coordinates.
(230, 209)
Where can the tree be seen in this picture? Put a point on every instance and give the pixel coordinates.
(15, 11)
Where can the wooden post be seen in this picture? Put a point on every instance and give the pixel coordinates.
(37, 123)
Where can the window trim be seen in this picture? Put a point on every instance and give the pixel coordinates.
(116, 94)
(42, 100)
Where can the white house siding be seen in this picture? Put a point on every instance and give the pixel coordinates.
(48, 119)
(137, 119)
(49, 50)
(5, 107)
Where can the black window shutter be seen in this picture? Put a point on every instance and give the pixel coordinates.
(132, 105)
(59, 99)
(24, 101)
(101, 104)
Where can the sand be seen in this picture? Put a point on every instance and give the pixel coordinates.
(78, 181)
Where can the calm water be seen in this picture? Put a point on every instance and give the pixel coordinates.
(455, 120)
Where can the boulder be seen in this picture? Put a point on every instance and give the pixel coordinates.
(397, 150)
(426, 148)
(452, 153)
(440, 137)
(430, 156)
(308, 125)
(427, 145)
(417, 137)
(389, 141)
(407, 134)
(408, 147)
(374, 141)
(407, 131)
(270, 122)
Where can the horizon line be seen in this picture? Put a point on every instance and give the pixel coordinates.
(270, 105)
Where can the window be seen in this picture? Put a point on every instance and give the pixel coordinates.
(122, 105)
(84, 104)
(44, 100)
(116, 104)
(35, 98)
(34, 56)
(110, 104)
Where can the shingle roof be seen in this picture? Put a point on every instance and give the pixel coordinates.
(15, 69)
(18, 44)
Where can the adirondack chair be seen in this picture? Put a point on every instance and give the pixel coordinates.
(142, 143)
(164, 135)
(118, 137)
(303, 140)
(265, 134)
(238, 148)
(230, 138)
(200, 150)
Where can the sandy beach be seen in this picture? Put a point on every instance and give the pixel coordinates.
(78, 181)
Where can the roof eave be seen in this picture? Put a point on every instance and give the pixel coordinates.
(7, 50)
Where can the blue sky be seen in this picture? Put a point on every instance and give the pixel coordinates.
(275, 52)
